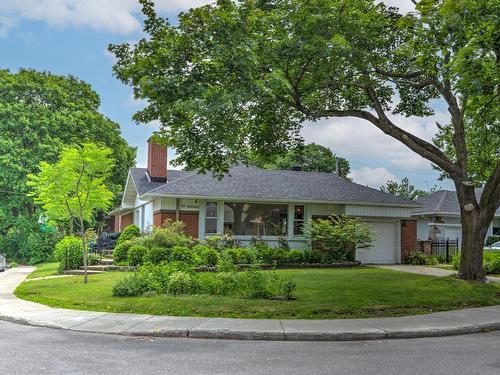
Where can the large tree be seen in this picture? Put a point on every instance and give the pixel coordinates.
(310, 157)
(237, 75)
(40, 113)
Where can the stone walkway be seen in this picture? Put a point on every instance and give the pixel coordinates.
(429, 271)
(437, 324)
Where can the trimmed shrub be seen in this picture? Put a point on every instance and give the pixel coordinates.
(120, 252)
(167, 237)
(136, 255)
(492, 266)
(207, 255)
(296, 256)
(239, 255)
(312, 256)
(92, 259)
(182, 254)
(69, 253)
(180, 282)
(157, 255)
(416, 257)
(129, 286)
(130, 232)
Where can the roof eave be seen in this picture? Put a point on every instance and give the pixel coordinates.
(281, 200)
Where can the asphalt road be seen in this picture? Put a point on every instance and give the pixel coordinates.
(33, 350)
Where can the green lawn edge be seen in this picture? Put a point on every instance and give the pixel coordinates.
(362, 292)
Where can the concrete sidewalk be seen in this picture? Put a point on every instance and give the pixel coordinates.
(437, 324)
(426, 270)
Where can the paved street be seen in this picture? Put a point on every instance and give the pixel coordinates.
(34, 350)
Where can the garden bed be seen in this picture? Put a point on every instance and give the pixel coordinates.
(243, 267)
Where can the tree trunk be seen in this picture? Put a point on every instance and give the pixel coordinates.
(84, 249)
(474, 230)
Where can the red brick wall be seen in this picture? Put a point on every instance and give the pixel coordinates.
(126, 220)
(159, 217)
(190, 220)
(408, 237)
(157, 161)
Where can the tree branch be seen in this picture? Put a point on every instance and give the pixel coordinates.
(421, 147)
(490, 198)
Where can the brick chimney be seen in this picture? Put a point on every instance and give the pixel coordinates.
(157, 161)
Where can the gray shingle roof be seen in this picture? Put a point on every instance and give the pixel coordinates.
(441, 202)
(255, 183)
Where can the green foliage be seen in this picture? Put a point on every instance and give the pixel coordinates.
(287, 288)
(221, 242)
(270, 255)
(491, 240)
(93, 259)
(182, 254)
(130, 232)
(339, 236)
(404, 189)
(136, 254)
(69, 253)
(120, 252)
(416, 257)
(311, 157)
(157, 255)
(296, 256)
(169, 235)
(491, 262)
(40, 113)
(312, 256)
(180, 282)
(207, 255)
(130, 286)
(240, 255)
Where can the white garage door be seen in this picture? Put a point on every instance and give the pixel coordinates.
(385, 248)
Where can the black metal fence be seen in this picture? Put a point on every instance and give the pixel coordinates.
(445, 249)
(104, 244)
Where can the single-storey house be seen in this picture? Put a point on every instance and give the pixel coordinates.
(438, 218)
(269, 204)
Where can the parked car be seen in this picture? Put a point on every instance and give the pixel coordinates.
(495, 246)
(3, 263)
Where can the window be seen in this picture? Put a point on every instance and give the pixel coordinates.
(252, 219)
(211, 218)
(298, 221)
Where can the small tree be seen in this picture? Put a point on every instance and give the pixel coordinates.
(73, 188)
(404, 189)
(340, 236)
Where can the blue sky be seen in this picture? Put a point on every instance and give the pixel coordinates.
(71, 37)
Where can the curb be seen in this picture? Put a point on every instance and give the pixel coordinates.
(223, 334)
(438, 324)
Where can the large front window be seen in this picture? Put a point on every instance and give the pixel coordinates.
(252, 219)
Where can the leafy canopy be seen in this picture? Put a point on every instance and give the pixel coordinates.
(40, 113)
(242, 75)
(74, 187)
(311, 157)
(404, 189)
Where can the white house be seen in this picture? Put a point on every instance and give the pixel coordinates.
(252, 202)
(438, 218)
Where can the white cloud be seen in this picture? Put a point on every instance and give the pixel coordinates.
(115, 16)
(358, 139)
(373, 177)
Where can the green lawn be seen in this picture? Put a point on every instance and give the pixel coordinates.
(44, 269)
(321, 294)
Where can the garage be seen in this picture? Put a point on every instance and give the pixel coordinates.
(385, 249)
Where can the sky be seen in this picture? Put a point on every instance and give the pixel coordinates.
(71, 37)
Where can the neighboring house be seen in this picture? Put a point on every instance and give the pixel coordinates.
(270, 204)
(439, 217)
